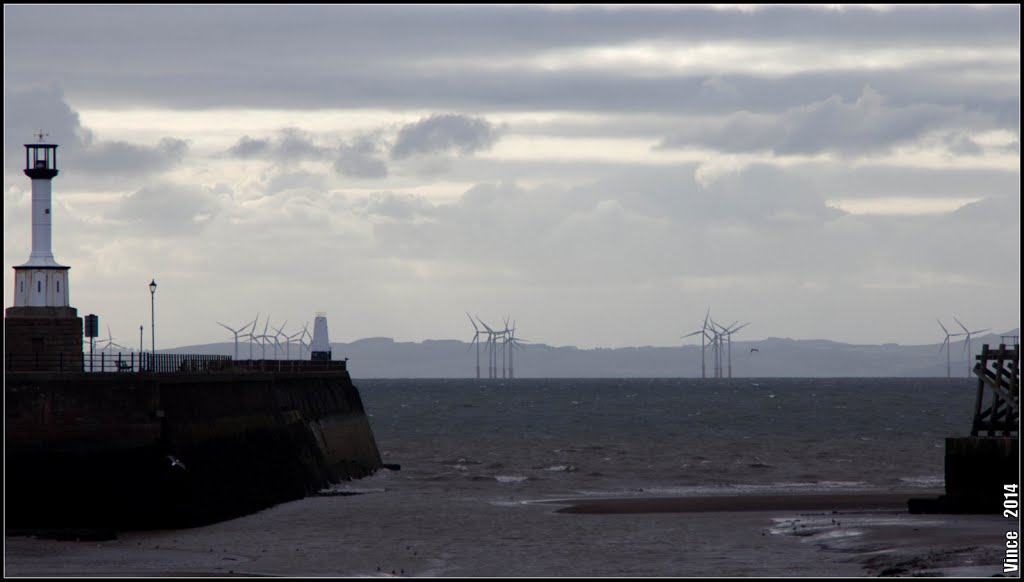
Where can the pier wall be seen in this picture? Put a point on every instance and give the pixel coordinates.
(98, 450)
(977, 468)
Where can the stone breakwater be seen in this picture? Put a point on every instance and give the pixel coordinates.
(147, 451)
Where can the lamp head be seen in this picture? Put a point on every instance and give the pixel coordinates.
(152, 286)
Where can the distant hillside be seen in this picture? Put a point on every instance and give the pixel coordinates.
(772, 357)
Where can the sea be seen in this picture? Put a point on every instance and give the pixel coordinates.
(613, 437)
(481, 468)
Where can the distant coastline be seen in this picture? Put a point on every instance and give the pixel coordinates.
(769, 358)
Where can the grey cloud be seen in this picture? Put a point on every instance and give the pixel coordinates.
(295, 181)
(653, 225)
(1002, 212)
(45, 108)
(865, 125)
(168, 210)
(396, 206)
(289, 144)
(291, 34)
(645, 223)
(125, 158)
(248, 147)
(963, 145)
(838, 180)
(40, 109)
(394, 68)
(360, 159)
(442, 133)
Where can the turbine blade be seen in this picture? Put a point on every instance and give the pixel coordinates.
(958, 323)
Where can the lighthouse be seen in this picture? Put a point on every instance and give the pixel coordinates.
(41, 281)
(320, 348)
(43, 331)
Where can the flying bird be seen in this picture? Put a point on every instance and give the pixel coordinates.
(752, 350)
(175, 462)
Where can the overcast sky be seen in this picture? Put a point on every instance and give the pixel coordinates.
(601, 175)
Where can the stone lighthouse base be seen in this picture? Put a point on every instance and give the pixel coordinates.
(43, 339)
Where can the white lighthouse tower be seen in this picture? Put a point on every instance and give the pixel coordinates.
(42, 330)
(41, 281)
(320, 348)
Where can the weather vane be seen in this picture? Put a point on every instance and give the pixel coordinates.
(42, 136)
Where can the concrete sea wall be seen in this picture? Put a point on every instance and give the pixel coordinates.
(170, 450)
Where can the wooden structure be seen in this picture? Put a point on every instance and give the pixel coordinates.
(998, 377)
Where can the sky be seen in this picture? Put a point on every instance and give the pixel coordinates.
(603, 176)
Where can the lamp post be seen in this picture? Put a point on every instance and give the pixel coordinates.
(152, 320)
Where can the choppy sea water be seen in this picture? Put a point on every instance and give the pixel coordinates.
(605, 437)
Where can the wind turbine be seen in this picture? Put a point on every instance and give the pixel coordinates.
(475, 340)
(277, 342)
(263, 339)
(504, 348)
(288, 344)
(728, 338)
(302, 343)
(492, 357)
(110, 343)
(945, 344)
(967, 344)
(515, 345)
(236, 332)
(717, 346)
(703, 331)
(252, 338)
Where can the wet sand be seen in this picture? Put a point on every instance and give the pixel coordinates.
(412, 533)
(845, 501)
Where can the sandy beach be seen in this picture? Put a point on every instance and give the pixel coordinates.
(389, 533)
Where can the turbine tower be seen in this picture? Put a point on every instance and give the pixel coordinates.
(703, 331)
(946, 344)
(515, 345)
(492, 354)
(252, 337)
(263, 339)
(277, 342)
(475, 340)
(967, 344)
(717, 343)
(728, 338)
(302, 343)
(504, 348)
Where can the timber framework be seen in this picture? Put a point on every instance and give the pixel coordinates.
(997, 404)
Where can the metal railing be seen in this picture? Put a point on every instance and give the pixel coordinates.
(108, 362)
(290, 365)
(164, 363)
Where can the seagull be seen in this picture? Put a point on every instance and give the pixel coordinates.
(175, 462)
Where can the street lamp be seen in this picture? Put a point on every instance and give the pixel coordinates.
(152, 320)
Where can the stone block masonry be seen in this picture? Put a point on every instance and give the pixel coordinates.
(126, 451)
